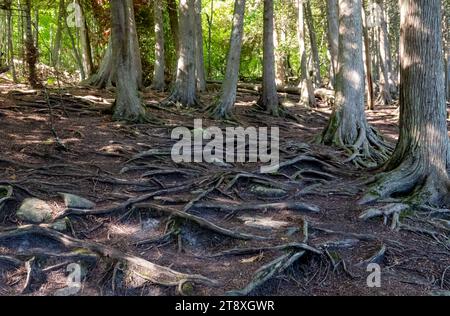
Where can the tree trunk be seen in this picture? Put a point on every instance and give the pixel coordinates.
(228, 94)
(174, 27)
(31, 50)
(76, 53)
(86, 50)
(106, 74)
(184, 91)
(368, 63)
(348, 127)
(106, 77)
(333, 36)
(385, 58)
(446, 24)
(159, 83)
(313, 40)
(11, 58)
(199, 54)
(418, 166)
(280, 69)
(128, 105)
(307, 90)
(58, 37)
(210, 19)
(269, 97)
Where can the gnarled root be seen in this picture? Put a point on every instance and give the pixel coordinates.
(199, 221)
(277, 266)
(177, 99)
(391, 210)
(369, 149)
(147, 270)
(409, 180)
(220, 111)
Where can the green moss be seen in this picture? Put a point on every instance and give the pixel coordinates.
(187, 289)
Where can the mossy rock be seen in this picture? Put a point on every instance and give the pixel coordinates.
(77, 202)
(34, 211)
(5, 191)
(60, 225)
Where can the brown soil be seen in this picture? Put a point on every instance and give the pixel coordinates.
(97, 149)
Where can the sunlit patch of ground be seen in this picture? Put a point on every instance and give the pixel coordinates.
(97, 151)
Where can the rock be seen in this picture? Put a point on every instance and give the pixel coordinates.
(34, 211)
(267, 192)
(74, 201)
(59, 225)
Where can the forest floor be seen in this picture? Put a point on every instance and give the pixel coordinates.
(221, 222)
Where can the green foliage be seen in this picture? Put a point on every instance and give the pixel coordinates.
(216, 36)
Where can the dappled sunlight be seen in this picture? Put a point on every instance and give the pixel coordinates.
(99, 197)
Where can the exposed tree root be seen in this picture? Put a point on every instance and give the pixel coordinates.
(434, 212)
(409, 180)
(267, 180)
(147, 270)
(249, 251)
(368, 151)
(363, 237)
(219, 111)
(178, 100)
(127, 204)
(391, 210)
(275, 267)
(199, 221)
(34, 275)
(376, 258)
(16, 263)
(307, 159)
(294, 206)
(430, 233)
(159, 239)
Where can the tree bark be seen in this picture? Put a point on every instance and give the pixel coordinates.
(385, 58)
(76, 53)
(9, 23)
(31, 50)
(313, 40)
(184, 91)
(269, 97)
(86, 50)
(58, 37)
(174, 26)
(348, 127)
(159, 83)
(307, 90)
(199, 53)
(106, 74)
(446, 24)
(333, 36)
(368, 63)
(418, 166)
(229, 86)
(128, 105)
(280, 69)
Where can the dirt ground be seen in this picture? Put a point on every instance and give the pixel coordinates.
(309, 209)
